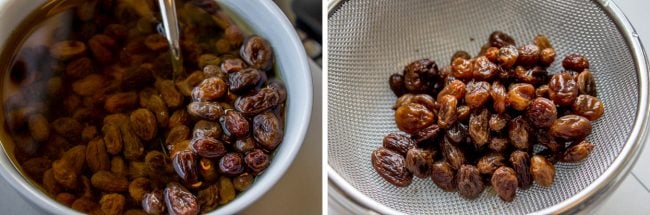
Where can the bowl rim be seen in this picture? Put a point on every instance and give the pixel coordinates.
(281, 162)
(595, 192)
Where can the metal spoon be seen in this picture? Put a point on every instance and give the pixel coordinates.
(170, 22)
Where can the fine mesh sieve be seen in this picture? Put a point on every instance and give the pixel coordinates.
(371, 39)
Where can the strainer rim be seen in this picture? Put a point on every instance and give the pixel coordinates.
(595, 191)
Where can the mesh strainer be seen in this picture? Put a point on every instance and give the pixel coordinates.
(371, 39)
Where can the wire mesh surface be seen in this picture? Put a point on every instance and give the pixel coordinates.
(371, 39)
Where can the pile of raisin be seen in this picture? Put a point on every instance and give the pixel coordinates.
(105, 127)
(476, 122)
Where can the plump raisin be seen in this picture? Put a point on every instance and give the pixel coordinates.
(425, 135)
(562, 89)
(499, 39)
(588, 106)
(577, 152)
(462, 68)
(586, 83)
(460, 54)
(185, 165)
(179, 200)
(456, 88)
(399, 143)
(109, 182)
(484, 69)
(231, 164)
(547, 56)
(507, 56)
(452, 154)
(447, 115)
(267, 130)
(542, 91)
(542, 170)
(235, 124)
(499, 97)
(205, 110)
(520, 95)
(257, 161)
(478, 93)
(417, 75)
(541, 112)
(263, 100)
(413, 117)
(535, 75)
(470, 184)
(489, 163)
(245, 80)
(571, 127)
(504, 181)
(208, 147)
(257, 53)
(391, 166)
(443, 176)
(575, 62)
(479, 128)
(210, 89)
(528, 54)
(419, 161)
(520, 161)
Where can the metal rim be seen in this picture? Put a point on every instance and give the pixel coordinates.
(599, 189)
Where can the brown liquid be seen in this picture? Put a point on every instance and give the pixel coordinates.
(29, 69)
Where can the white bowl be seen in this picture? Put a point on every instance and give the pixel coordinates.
(264, 18)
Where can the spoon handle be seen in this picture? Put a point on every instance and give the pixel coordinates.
(170, 21)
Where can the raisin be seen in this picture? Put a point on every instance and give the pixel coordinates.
(413, 117)
(541, 112)
(208, 147)
(179, 200)
(588, 106)
(489, 163)
(499, 39)
(235, 124)
(479, 128)
(231, 164)
(185, 165)
(520, 96)
(399, 143)
(562, 89)
(470, 184)
(521, 164)
(575, 62)
(577, 152)
(143, 123)
(542, 170)
(210, 89)
(245, 80)
(452, 154)
(586, 83)
(263, 100)
(571, 127)
(528, 55)
(456, 88)
(153, 202)
(462, 68)
(535, 75)
(447, 115)
(396, 83)
(257, 161)
(267, 130)
(419, 161)
(417, 75)
(257, 53)
(507, 56)
(109, 182)
(205, 110)
(504, 181)
(391, 166)
(478, 93)
(498, 121)
(443, 176)
(499, 97)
